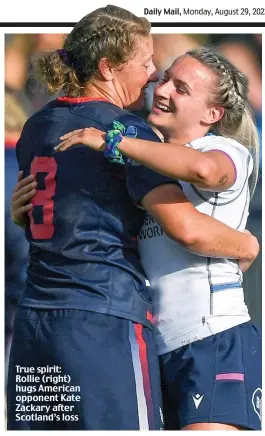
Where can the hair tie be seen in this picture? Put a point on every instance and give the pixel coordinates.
(114, 137)
(64, 55)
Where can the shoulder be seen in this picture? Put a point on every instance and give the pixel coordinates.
(101, 112)
(143, 129)
(236, 152)
(213, 142)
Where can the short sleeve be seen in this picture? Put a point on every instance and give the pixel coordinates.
(237, 153)
(140, 179)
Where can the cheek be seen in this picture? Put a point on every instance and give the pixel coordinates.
(142, 78)
(179, 101)
(136, 80)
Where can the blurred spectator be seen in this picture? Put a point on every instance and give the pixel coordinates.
(17, 60)
(16, 246)
(245, 53)
(19, 52)
(167, 47)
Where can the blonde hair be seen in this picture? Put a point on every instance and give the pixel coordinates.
(231, 93)
(110, 32)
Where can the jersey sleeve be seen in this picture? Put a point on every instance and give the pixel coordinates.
(140, 179)
(236, 152)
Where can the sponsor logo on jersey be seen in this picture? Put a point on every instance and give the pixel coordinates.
(197, 400)
(257, 402)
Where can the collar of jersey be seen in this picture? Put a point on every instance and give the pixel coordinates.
(79, 99)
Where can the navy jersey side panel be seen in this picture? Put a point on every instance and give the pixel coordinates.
(83, 226)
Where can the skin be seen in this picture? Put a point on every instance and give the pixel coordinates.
(196, 238)
(166, 201)
(125, 85)
(211, 426)
(184, 90)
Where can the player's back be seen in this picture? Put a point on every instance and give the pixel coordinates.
(83, 250)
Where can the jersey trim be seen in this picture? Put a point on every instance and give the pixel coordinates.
(225, 286)
(229, 201)
(80, 99)
(140, 367)
(209, 260)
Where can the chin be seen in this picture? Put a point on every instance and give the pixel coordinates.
(155, 119)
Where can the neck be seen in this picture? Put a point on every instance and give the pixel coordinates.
(102, 89)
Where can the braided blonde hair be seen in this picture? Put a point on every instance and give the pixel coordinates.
(231, 93)
(110, 32)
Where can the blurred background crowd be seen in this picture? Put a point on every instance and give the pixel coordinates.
(24, 96)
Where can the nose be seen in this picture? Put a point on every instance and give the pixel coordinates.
(154, 77)
(163, 89)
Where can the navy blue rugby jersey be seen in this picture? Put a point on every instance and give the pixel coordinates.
(83, 226)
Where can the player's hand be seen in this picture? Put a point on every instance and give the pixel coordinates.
(244, 264)
(90, 136)
(24, 190)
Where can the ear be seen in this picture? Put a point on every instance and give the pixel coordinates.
(213, 115)
(105, 69)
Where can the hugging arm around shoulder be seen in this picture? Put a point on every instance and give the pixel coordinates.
(211, 167)
(164, 199)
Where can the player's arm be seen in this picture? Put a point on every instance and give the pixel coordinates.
(180, 220)
(196, 231)
(208, 170)
(164, 199)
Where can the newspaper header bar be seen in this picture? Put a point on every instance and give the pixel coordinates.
(204, 11)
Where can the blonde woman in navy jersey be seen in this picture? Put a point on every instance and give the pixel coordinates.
(210, 352)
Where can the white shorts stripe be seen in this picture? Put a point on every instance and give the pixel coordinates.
(139, 383)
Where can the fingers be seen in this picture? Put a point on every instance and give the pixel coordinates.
(91, 137)
(20, 176)
(23, 182)
(22, 200)
(69, 139)
(25, 193)
(64, 145)
(23, 209)
(68, 135)
(75, 138)
(21, 204)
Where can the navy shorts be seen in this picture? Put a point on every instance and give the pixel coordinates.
(95, 371)
(217, 379)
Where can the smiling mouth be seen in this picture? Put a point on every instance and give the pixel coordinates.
(162, 107)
